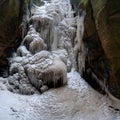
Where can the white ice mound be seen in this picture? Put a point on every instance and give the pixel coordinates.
(45, 69)
(33, 41)
(41, 69)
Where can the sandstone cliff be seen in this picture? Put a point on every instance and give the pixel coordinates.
(101, 41)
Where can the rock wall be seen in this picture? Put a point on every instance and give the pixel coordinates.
(11, 16)
(101, 41)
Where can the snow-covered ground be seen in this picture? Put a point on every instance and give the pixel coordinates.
(75, 101)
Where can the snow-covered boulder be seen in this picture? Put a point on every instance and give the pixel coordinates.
(47, 70)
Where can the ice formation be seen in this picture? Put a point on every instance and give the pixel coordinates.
(47, 50)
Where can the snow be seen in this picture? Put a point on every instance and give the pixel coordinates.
(75, 101)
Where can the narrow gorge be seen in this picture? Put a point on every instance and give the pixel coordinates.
(53, 64)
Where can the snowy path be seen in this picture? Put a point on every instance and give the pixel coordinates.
(75, 101)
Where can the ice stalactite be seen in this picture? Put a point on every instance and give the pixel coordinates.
(79, 46)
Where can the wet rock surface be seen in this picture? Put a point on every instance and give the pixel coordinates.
(10, 32)
(101, 43)
(106, 30)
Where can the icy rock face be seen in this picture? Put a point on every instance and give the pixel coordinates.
(79, 46)
(50, 28)
(50, 48)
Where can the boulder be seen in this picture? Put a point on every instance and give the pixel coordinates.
(45, 69)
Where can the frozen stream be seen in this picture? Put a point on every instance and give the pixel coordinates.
(74, 101)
